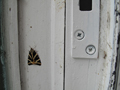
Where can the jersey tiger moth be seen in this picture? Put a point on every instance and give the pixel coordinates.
(33, 58)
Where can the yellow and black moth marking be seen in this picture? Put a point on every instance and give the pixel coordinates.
(33, 58)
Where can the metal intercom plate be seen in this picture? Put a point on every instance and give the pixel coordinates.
(85, 35)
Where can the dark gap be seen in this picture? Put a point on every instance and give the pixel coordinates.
(64, 44)
(18, 12)
(85, 5)
(3, 81)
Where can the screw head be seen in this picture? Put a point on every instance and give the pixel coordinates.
(79, 34)
(90, 49)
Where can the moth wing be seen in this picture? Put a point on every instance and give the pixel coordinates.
(37, 60)
(30, 57)
(33, 58)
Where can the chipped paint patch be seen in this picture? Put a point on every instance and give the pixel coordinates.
(60, 4)
(112, 81)
(105, 55)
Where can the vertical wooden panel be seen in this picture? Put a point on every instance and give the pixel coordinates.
(41, 27)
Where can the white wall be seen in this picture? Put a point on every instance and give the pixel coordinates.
(39, 24)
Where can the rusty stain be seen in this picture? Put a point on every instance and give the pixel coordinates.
(30, 26)
(64, 2)
(60, 66)
(60, 7)
(108, 18)
(105, 55)
(109, 45)
(9, 9)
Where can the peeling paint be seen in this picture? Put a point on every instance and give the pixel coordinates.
(114, 62)
(60, 4)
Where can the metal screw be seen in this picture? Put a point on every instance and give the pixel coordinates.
(79, 34)
(90, 49)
